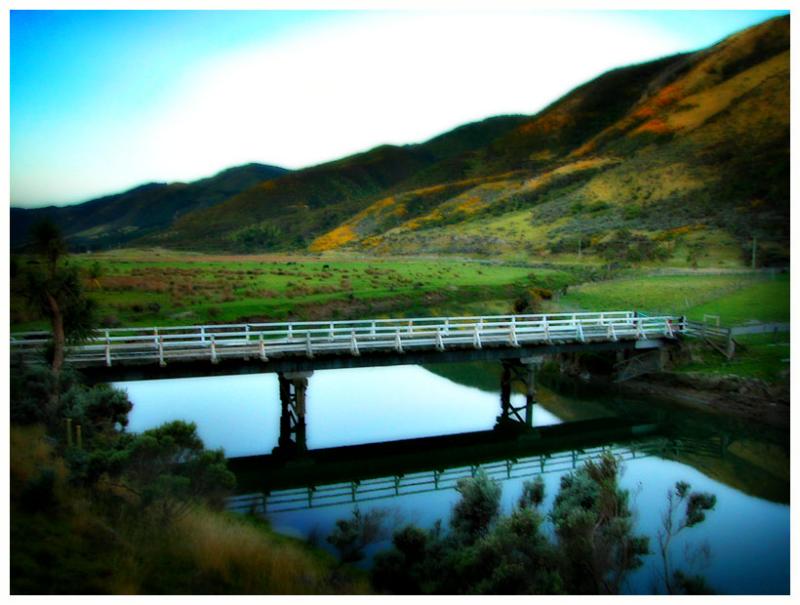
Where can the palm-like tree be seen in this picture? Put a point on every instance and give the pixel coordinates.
(55, 288)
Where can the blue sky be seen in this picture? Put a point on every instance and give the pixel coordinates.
(104, 100)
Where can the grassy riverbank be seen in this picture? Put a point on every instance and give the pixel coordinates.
(70, 540)
(761, 356)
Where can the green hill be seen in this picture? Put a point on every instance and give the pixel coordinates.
(116, 219)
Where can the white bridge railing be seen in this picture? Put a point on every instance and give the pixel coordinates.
(352, 337)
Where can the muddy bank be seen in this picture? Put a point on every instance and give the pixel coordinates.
(746, 398)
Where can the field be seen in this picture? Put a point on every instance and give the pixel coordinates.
(736, 298)
(157, 287)
(145, 287)
(763, 356)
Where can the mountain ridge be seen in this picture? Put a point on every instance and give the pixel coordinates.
(117, 218)
(678, 153)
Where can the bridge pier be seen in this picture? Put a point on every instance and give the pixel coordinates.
(292, 388)
(524, 371)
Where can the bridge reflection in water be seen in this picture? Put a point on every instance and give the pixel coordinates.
(352, 474)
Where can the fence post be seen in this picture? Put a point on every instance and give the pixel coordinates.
(108, 349)
(730, 346)
(309, 349)
(161, 361)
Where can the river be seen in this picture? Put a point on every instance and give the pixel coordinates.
(748, 532)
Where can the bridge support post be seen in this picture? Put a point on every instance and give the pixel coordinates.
(292, 387)
(522, 371)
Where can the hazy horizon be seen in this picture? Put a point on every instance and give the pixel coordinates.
(104, 101)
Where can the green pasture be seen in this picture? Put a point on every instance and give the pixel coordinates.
(736, 298)
(763, 356)
(141, 288)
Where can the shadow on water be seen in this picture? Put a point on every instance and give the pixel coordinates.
(374, 470)
(753, 458)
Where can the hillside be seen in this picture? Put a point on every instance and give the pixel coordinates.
(116, 219)
(676, 159)
(290, 211)
(682, 160)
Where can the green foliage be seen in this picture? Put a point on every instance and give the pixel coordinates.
(633, 248)
(170, 470)
(632, 212)
(47, 242)
(32, 386)
(592, 550)
(101, 410)
(532, 493)
(351, 536)
(695, 505)
(478, 507)
(576, 208)
(63, 285)
(255, 238)
(690, 584)
(594, 529)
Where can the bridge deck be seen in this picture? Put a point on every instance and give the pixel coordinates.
(268, 342)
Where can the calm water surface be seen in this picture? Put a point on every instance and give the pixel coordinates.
(748, 532)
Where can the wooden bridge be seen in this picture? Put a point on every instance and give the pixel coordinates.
(295, 349)
(149, 353)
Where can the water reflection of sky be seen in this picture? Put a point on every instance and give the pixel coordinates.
(749, 536)
(344, 407)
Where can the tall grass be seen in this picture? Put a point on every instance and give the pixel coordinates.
(80, 541)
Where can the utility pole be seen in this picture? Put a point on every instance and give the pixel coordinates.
(753, 262)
